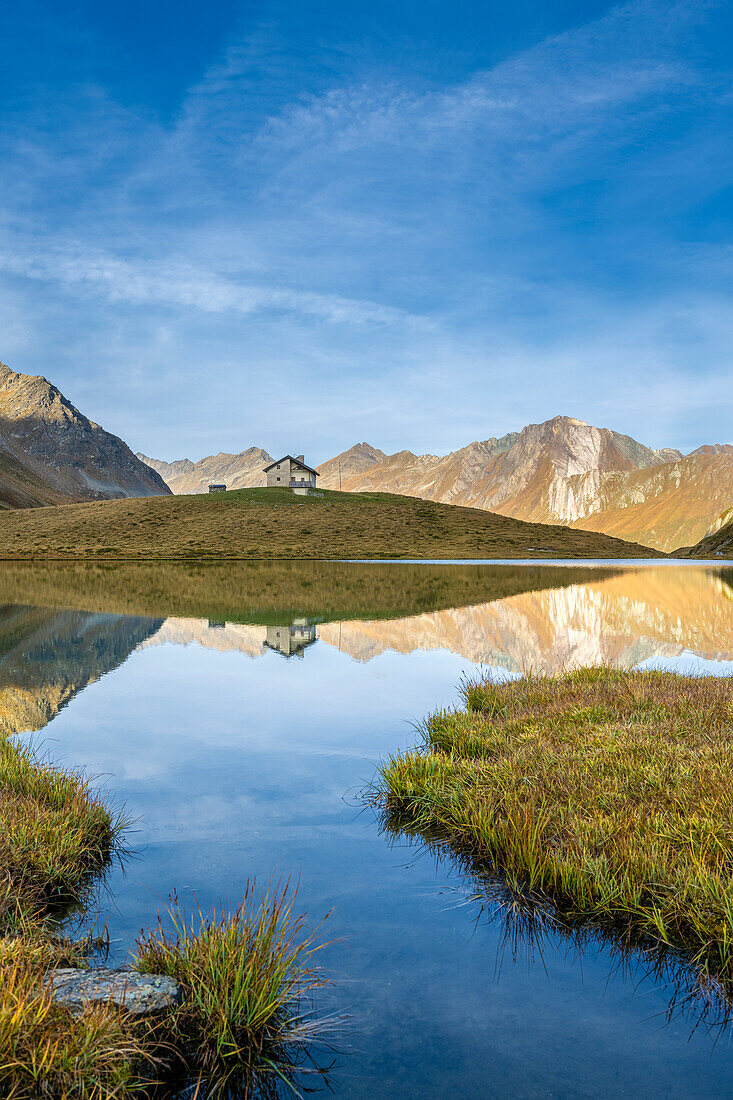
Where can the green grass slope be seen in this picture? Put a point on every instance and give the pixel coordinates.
(275, 523)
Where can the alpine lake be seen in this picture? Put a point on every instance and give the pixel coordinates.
(240, 711)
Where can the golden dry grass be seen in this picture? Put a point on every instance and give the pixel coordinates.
(607, 792)
(717, 545)
(56, 835)
(46, 1053)
(274, 523)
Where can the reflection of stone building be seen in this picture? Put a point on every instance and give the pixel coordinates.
(622, 619)
(291, 640)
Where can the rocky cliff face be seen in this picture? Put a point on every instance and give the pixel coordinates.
(568, 472)
(666, 506)
(51, 453)
(236, 471)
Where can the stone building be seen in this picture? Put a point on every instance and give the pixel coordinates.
(291, 473)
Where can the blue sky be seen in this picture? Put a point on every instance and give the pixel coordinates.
(300, 226)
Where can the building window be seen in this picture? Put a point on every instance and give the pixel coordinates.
(277, 479)
(278, 466)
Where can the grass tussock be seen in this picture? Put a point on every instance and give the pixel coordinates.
(246, 974)
(56, 835)
(607, 792)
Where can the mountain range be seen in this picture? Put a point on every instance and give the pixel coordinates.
(563, 471)
(240, 471)
(50, 453)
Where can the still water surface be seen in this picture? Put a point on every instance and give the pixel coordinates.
(240, 711)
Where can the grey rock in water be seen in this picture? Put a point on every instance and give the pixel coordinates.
(139, 994)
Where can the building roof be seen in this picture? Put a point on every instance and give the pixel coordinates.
(297, 461)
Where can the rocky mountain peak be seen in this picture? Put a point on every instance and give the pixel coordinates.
(715, 449)
(25, 395)
(50, 452)
(359, 458)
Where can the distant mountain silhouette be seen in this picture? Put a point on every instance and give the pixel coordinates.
(236, 471)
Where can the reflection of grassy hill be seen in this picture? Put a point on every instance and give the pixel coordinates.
(275, 592)
(273, 523)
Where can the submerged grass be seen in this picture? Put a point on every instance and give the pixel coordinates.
(607, 792)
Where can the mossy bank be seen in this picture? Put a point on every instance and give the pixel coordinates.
(608, 794)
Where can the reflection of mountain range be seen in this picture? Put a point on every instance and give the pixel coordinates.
(619, 621)
(622, 619)
(47, 657)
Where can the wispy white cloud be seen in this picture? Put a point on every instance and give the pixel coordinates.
(148, 282)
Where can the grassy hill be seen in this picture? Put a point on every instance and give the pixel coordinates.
(274, 523)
